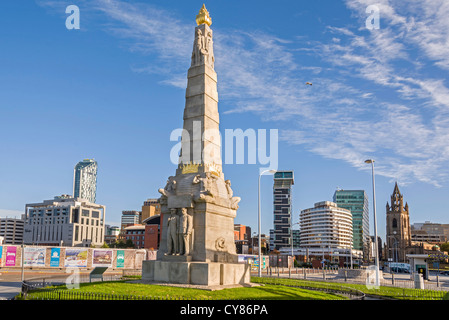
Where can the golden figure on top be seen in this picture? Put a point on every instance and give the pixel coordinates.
(203, 16)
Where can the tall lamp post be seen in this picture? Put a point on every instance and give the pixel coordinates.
(375, 224)
(260, 239)
(291, 234)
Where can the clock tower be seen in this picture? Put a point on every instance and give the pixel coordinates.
(398, 227)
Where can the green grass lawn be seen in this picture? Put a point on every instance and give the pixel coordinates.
(382, 291)
(272, 289)
(265, 292)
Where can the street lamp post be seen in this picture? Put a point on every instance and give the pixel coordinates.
(291, 235)
(375, 223)
(260, 240)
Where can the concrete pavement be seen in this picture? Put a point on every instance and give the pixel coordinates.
(9, 290)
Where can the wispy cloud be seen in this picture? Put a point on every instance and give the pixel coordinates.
(380, 93)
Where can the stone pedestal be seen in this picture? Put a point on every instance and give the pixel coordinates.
(196, 273)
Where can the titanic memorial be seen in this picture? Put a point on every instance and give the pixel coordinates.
(197, 203)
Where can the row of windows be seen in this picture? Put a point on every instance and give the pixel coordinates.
(48, 212)
(135, 237)
(94, 234)
(278, 191)
(47, 233)
(57, 220)
(349, 196)
(135, 232)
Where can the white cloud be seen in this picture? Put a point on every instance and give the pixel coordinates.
(374, 93)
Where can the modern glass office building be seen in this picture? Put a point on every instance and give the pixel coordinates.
(357, 202)
(283, 181)
(85, 180)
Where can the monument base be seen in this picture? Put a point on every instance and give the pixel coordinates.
(196, 273)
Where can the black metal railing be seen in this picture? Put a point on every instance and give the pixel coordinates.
(391, 288)
(351, 293)
(42, 290)
(61, 294)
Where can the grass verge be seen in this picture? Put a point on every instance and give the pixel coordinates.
(382, 291)
(103, 290)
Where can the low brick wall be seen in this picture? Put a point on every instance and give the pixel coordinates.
(40, 257)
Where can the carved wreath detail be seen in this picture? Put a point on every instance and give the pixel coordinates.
(220, 244)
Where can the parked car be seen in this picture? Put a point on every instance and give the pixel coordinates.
(400, 270)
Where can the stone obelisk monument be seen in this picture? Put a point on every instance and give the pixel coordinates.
(197, 204)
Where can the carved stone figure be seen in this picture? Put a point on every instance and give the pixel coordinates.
(209, 48)
(228, 187)
(203, 49)
(199, 48)
(233, 200)
(172, 236)
(185, 227)
(206, 186)
(170, 187)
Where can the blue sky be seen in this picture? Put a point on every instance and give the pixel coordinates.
(114, 90)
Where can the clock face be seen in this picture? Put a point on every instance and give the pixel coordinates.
(394, 232)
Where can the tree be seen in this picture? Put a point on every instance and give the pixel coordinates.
(444, 246)
(129, 244)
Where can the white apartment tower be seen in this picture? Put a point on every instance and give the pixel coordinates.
(326, 226)
(85, 180)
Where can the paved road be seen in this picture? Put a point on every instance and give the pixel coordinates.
(9, 289)
(11, 283)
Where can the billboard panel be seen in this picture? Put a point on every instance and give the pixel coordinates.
(34, 257)
(102, 258)
(75, 258)
(120, 258)
(10, 260)
(55, 257)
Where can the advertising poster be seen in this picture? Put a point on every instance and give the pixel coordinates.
(76, 258)
(1, 255)
(55, 256)
(102, 258)
(34, 257)
(120, 258)
(10, 259)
